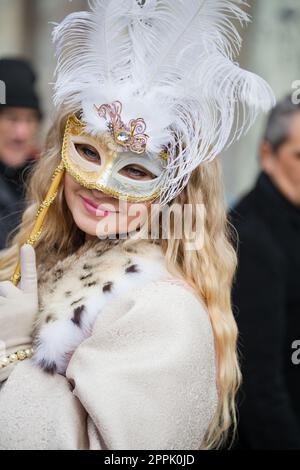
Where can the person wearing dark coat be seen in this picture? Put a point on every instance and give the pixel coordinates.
(266, 292)
(12, 202)
(20, 115)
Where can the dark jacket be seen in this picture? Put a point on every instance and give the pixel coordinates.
(266, 300)
(12, 191)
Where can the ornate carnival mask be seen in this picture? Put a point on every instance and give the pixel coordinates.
(115, 162)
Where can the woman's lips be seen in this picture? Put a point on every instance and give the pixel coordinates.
(95, 209)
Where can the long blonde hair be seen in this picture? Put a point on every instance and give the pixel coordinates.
(209, 270)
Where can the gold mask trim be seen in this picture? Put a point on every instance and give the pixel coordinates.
(76, 127)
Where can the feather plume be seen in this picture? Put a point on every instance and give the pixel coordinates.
(171, 62)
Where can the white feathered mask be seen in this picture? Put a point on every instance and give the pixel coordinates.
(168, 64)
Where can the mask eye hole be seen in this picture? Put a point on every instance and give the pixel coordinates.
(137, 172)
(88, 152)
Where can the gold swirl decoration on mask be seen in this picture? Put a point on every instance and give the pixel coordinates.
(131, 136)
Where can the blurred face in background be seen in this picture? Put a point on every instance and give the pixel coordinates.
(18, 129)
(283, 166)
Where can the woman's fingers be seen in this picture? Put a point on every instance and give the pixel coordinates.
(28, 270)
(7, 289)
(28, 276)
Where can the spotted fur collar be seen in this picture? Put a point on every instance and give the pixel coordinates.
(76, 290)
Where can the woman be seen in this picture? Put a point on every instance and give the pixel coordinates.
(134, 341)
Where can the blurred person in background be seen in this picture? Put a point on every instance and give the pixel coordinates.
(19, 122)
(266, 294)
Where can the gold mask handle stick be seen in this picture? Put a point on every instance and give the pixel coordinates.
(41, 214)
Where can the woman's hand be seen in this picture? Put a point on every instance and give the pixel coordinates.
(18, 306)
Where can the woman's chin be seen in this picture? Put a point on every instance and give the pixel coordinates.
(96, 227)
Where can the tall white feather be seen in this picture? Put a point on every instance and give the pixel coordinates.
(170, 62)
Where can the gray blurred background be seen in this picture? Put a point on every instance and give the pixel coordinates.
(271, 48)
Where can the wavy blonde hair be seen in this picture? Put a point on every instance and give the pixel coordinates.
(209, 270)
